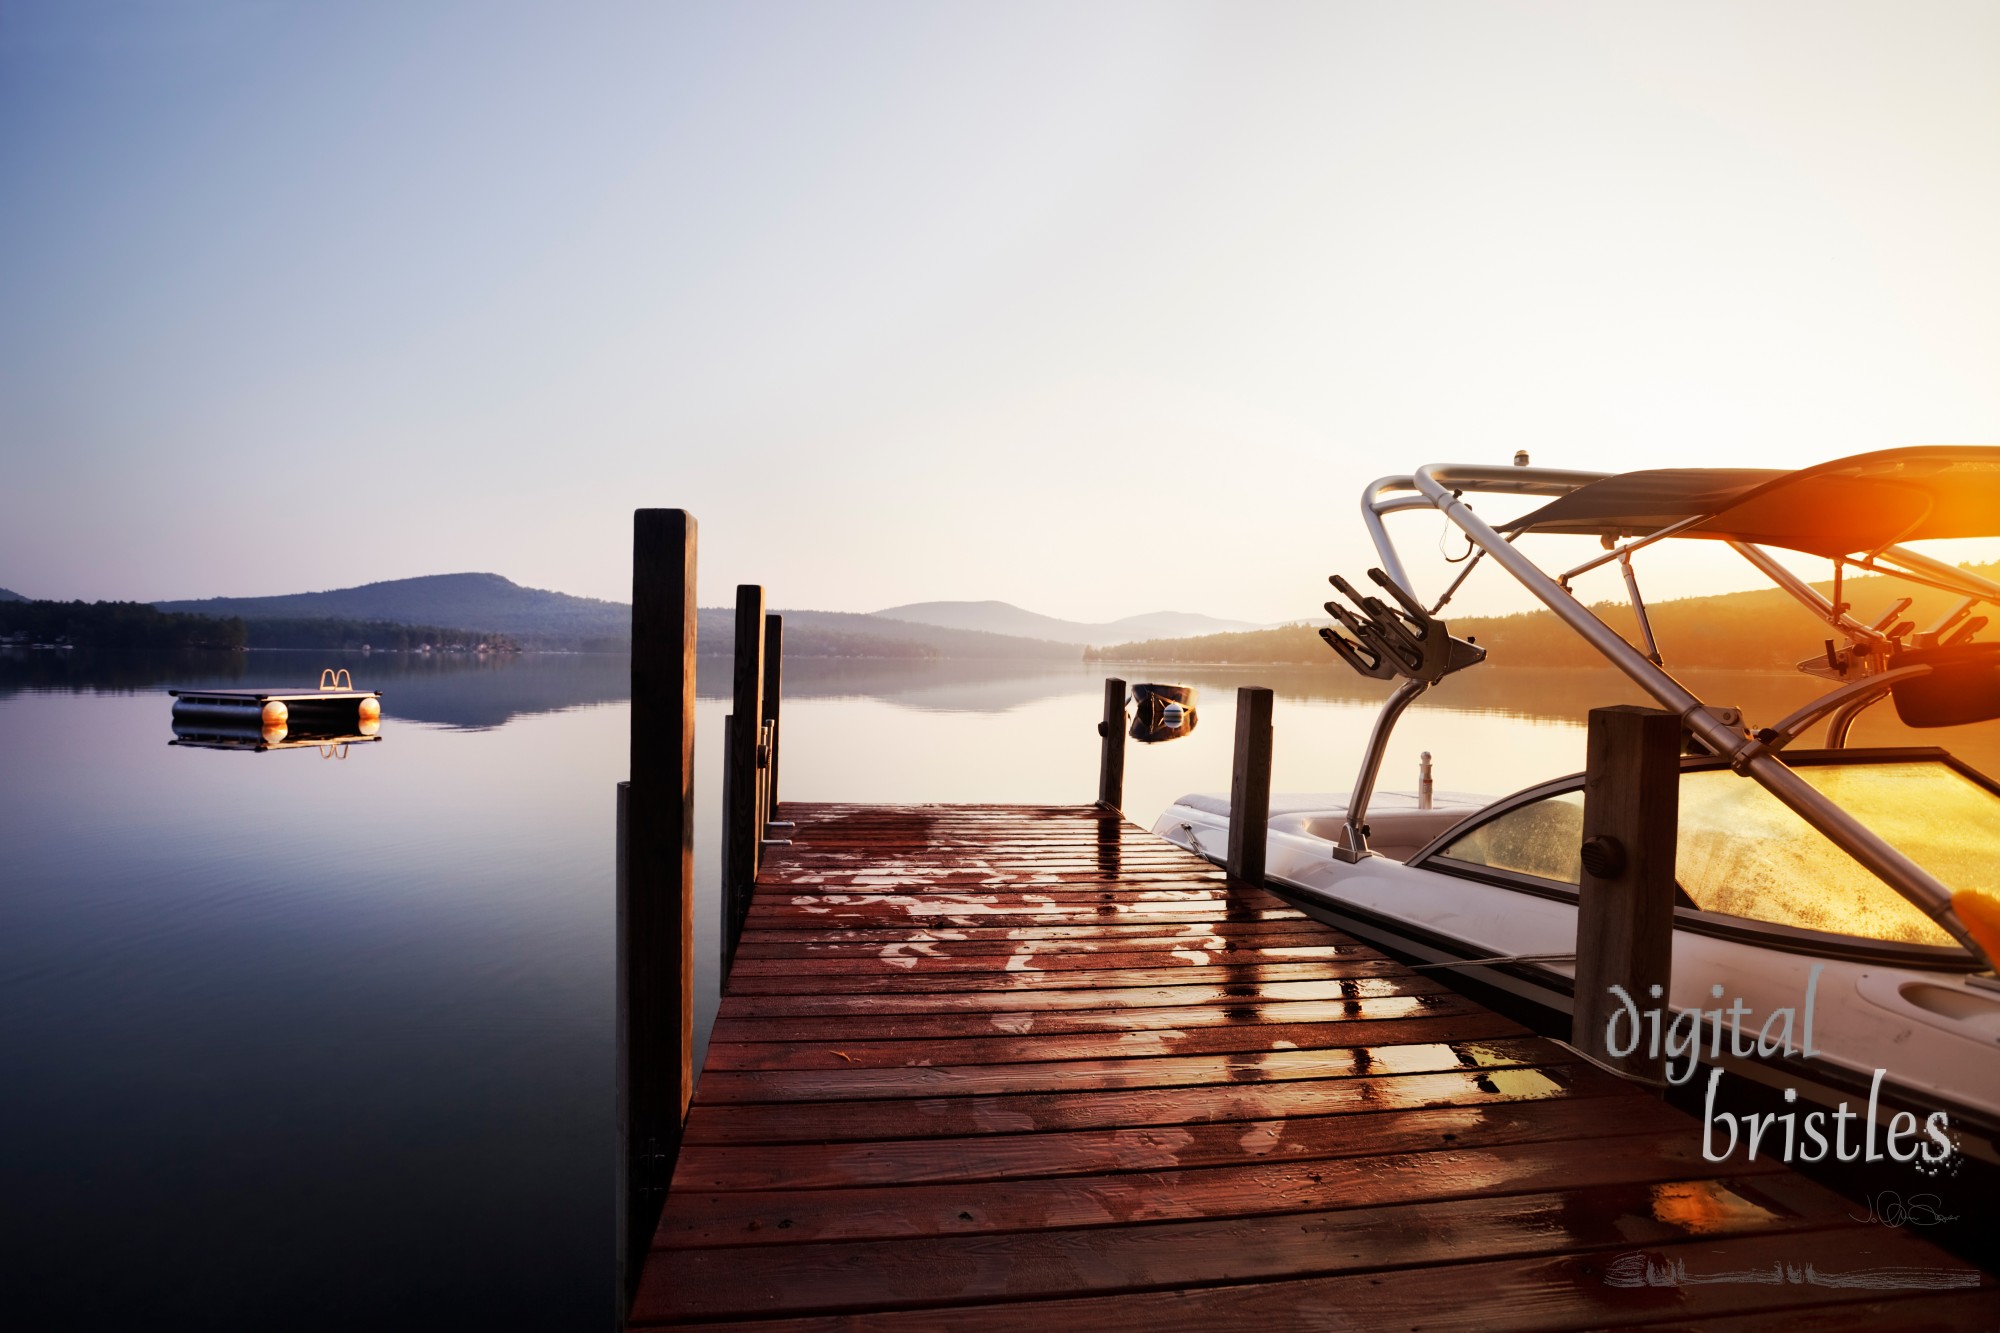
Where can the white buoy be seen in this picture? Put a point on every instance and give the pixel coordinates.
(275, 712)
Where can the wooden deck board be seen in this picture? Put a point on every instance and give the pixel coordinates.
(957, 1117)
(1042, 1046)
(988, 1066)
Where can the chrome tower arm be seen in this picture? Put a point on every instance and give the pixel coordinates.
(1378, 498)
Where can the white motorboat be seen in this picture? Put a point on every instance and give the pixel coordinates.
(1830, 908)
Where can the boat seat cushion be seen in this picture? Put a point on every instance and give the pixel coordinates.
(1397, 833)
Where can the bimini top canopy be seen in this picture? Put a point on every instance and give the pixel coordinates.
(1863, 503)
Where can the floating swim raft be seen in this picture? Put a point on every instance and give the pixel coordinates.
(332, 716)
(334, 700)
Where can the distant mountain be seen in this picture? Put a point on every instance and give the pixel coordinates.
(1005, 618)
(9, 595)
(889, 638)
(1177, 624)
(536, 617)
(481, 601)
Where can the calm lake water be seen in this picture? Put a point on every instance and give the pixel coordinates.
(308, 1041)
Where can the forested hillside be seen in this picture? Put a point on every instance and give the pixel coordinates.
(1762, 628)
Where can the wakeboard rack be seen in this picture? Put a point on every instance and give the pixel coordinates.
(1389, 641)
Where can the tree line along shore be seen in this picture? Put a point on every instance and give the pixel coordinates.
(122, 627)
(139, 627)
(1764, 628)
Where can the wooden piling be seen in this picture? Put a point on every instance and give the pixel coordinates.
(774, 691)
(631, 1182)
(1250, 785)
(655, 878)
(726, 933)
(1111, 762)
(743, 813)
(1625, 905)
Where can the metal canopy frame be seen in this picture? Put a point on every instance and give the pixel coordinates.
(1721, 730)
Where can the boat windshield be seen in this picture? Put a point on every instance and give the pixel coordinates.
(1743, 853)
(1541, 838)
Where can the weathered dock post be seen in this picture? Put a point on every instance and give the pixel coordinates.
(655, 881)
(1625, 905)
(774, 689)
(1250, 785)
(743, 813)
(1111, 763)
(726, 932)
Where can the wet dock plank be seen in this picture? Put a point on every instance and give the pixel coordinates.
(985, 1067)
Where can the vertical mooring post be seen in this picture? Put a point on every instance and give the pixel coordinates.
(1111, 763)
(1250, 785)
(631, 1187)
(655, 881)
(744, 815)
(1625, 904)
(726, 935)
(774, 691)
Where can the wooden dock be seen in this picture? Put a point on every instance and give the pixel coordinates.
(986, 1067)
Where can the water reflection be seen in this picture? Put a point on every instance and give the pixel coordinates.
(366, 999)
(474, 693)
(1707, 1208)
(256, 739)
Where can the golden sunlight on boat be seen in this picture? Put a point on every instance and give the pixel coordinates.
(1742, 852)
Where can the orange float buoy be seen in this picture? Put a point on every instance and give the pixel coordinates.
(275, 713)
(371, 710)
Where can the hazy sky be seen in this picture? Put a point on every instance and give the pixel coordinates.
(1093, 307)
